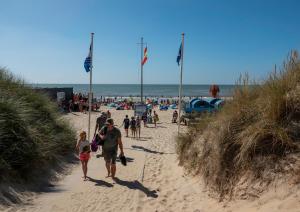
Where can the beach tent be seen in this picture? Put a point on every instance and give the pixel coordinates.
(198, 105)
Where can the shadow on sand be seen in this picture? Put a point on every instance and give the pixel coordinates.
(100, 182)
(141, 148)
(129, 160)
(137, 186)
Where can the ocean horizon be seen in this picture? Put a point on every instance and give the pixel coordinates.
(150, 90)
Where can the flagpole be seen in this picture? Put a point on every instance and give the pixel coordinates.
(142, 69)
(90, 92)
(180, 85)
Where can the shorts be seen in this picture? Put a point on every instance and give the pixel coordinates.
(110, 156)
(126, 127)
(84, 156)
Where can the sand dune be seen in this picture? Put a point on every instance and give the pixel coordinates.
(152, 180)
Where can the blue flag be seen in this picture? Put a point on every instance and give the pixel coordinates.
(88, 61)
(179, 54)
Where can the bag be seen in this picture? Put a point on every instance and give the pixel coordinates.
(94, 145)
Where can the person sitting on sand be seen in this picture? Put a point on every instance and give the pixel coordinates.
(83, 146)
(113, 139)
(133, 127)
(138, 127)
(126, 123)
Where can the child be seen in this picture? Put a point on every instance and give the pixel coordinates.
(83, 146)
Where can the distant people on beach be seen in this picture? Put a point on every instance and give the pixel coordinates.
(113, 140)
(214, 90)
(144, 118)
(133, 127)
(175, 116)
(83, 146)
(108, 114)
(155, 118)
(126, 123)
(138, 127)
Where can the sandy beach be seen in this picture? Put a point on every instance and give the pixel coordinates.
(151, 181)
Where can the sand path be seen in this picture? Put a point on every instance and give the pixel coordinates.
(152, 180)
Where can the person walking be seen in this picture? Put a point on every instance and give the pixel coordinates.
(100, 122)
(133, 127)
(83, 146)
(113, 140)
(155, 118)
(175, 116)
(126, 123)
(138, 127)
(144, 118)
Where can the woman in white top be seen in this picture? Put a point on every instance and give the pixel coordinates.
(83, 146)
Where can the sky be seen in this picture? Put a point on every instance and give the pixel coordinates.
(46, 41)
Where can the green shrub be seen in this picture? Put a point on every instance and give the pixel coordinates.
(254, 132)
(33, 137)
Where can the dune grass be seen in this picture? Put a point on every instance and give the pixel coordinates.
(33, 136)
(252, 135)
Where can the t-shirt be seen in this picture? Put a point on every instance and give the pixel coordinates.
(101, 121)
(111, 139)
(82, 144)
(126, 122)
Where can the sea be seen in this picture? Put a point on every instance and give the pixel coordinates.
(149, 90)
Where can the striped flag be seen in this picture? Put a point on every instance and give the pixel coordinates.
(145, 56)
(179, 55)
(88, 60)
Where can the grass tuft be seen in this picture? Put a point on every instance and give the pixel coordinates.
(33, 137)
(253, 134)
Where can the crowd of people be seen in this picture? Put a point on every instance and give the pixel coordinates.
(108, 136)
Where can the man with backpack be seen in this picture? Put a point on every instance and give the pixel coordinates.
(112, 140)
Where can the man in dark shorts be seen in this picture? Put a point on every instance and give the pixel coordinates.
(112, 139)
(126, 123)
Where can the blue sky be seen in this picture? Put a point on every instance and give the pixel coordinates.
(46, 41)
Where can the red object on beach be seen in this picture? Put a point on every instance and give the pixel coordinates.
(214, 90)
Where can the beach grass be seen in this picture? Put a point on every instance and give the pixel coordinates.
(33, 136)
(253, 137)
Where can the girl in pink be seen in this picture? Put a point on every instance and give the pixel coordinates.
(83, 146)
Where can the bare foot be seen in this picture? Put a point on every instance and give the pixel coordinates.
(108, 175)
